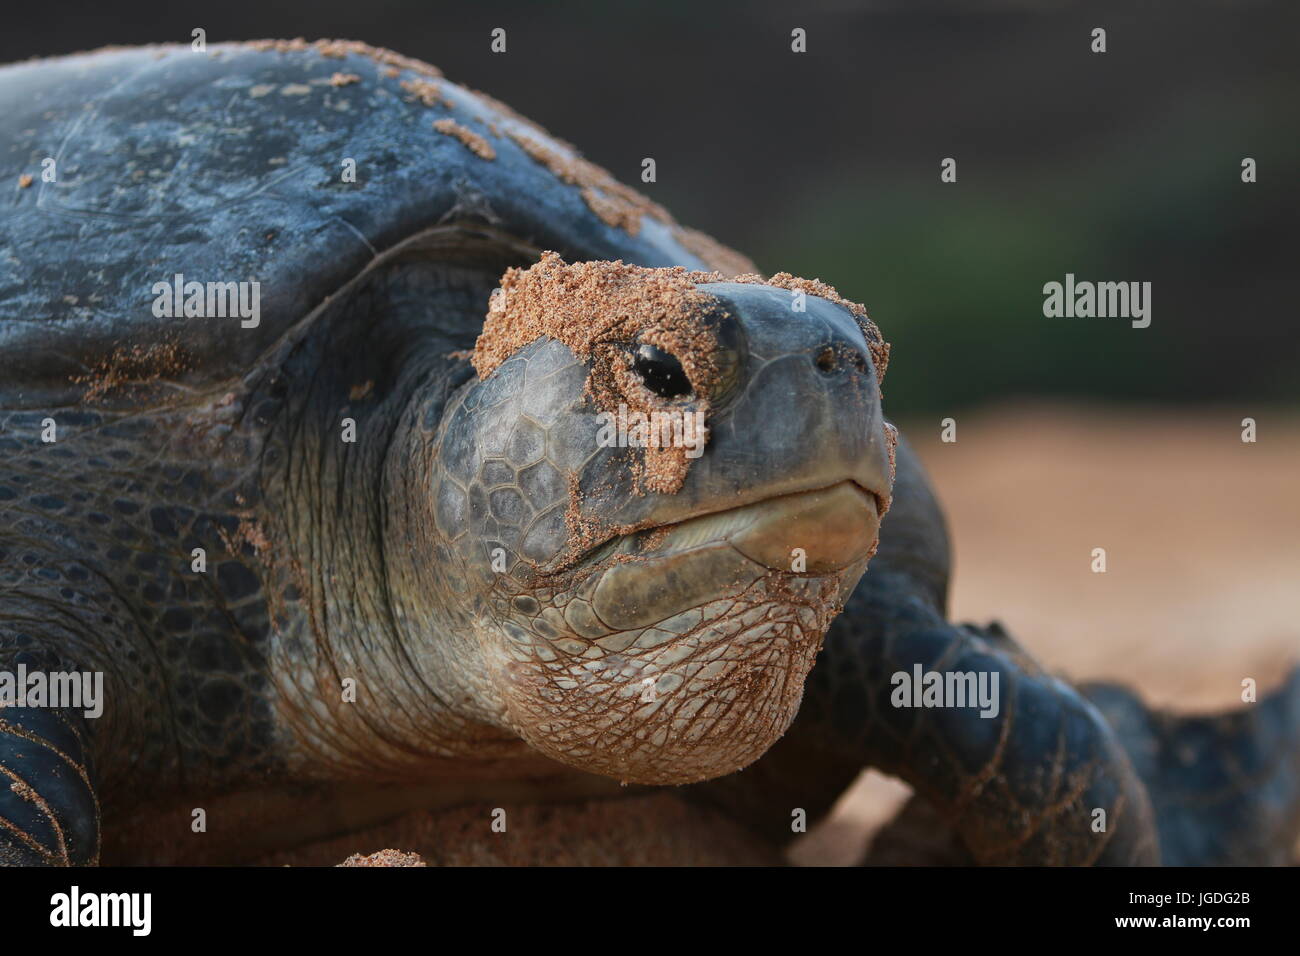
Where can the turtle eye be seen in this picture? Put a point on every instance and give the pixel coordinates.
(660, 371)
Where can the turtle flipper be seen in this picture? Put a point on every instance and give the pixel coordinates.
(1225, 789)
(1044, 780)
(49, 813)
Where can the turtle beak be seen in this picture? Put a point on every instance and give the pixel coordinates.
(839, 523)
(697, 560)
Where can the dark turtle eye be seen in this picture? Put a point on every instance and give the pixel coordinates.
(661, 372)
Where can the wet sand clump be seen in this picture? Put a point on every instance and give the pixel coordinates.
(472, 140)
(135, 367)
(428, 92)
(337, 49)
(600, 309)
(384, 858)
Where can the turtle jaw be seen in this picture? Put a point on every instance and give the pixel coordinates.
(670, 569)
(696, 696)
(686, 660)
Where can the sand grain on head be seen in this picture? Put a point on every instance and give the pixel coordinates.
(599, 310)
(475, 143)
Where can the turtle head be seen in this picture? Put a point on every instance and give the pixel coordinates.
(653, 518)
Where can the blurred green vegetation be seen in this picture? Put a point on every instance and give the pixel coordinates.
(953, 273)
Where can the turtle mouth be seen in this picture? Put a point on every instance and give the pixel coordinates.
(832, 527)
(673, 567)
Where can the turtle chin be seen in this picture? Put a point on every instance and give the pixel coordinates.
(681, 655)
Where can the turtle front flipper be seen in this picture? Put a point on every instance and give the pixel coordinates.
(1038, 778)
(49, 813)
(1225, 789)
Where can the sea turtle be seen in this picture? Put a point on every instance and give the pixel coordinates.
(318, 413)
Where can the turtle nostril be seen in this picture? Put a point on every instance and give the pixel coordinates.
(826, 360)
(830, 359)
(661, 372)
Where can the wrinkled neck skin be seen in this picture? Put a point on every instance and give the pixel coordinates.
(374, 669)
(437, 620)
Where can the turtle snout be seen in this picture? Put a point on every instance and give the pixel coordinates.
(795, 406)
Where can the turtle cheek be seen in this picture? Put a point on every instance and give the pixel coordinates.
(501, 463)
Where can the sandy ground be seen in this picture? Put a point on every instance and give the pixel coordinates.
(1202, 539)
(651, 829)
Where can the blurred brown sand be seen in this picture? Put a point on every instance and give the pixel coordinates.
(647, 829)
(1202, 540)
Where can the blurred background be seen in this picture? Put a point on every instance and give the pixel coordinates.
(1126, 166)
(1122, 166)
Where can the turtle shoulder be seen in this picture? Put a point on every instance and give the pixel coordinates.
(292, 165)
